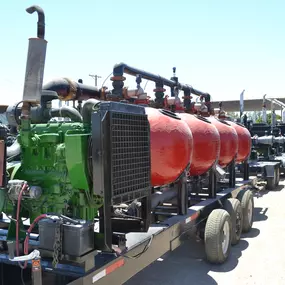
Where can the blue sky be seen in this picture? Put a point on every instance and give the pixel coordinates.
(220, 47)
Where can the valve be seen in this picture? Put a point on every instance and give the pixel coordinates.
(138, 80)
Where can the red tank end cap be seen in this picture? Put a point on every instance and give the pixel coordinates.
(171, 146)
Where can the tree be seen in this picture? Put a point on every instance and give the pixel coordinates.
(268, 118)
(233, 115)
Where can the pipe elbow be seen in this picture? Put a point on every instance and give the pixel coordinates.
(14, 149)
(41, 19)
(87, 110)
(72, 113)
(67, 89)
(68, 112)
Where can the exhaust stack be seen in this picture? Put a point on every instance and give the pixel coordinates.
(35, 60)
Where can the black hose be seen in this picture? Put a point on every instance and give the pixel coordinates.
(66, 112)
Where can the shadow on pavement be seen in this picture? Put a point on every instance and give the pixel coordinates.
(187, 264)
(261, 193)
(252, 234)
(183, 266)
(260, 214)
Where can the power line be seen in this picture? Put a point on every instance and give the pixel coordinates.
(95, 77)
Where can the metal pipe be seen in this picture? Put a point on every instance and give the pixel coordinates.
(264, 140)
(121, 68)
(160, 197)
(35, 62)
(66, 112)
(14, 149)
(71, 90)
(279, 140)
(264, 117)
(41, 19)
(87, 110)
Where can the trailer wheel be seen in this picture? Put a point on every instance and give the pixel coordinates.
(270, 185)
(218, 235)
(247, 204)
(277, 174)
(271, 181)
(233, 207)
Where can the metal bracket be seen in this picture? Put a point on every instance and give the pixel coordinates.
(35, 254)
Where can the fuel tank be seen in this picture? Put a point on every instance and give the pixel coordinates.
(229, 141)
(206, 143)
(171, 146)
(244, 141)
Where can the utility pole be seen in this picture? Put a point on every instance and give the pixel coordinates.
(95, 77)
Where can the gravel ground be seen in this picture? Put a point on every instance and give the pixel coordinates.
(258, 259)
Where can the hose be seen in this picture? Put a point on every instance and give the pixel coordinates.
(17, 223)
(68, 112)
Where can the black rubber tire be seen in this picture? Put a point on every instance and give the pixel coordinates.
(271, 182)
(270, 185)
(245, 197)
(277, 173)
(214, 236)
(233, 207)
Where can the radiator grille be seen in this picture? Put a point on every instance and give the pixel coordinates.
(130, 156)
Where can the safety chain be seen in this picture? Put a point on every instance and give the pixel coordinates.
(57, 247)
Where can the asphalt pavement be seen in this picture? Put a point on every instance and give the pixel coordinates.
(258, 259)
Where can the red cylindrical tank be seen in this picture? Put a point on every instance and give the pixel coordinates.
(206, 143)
(229, 141)
(244, 141)
(171, 146)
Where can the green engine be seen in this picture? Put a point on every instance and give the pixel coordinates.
(68, 176)
(55, 160)
(93, 167)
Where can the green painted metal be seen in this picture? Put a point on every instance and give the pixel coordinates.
(2, 199)
(76, 144)
(11, 235)
(54, 157)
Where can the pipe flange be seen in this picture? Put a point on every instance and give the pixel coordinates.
(72, 90)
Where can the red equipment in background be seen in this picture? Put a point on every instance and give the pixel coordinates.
(229, 141)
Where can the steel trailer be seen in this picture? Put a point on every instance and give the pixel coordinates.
(203, 218)
(216, 206)
(263, 162)
(146, 248)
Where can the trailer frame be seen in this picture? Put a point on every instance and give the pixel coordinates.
(267, 170)
(142, 248)
(160, 240)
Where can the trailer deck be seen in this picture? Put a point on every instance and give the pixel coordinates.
(159, 240)
(141, 248)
